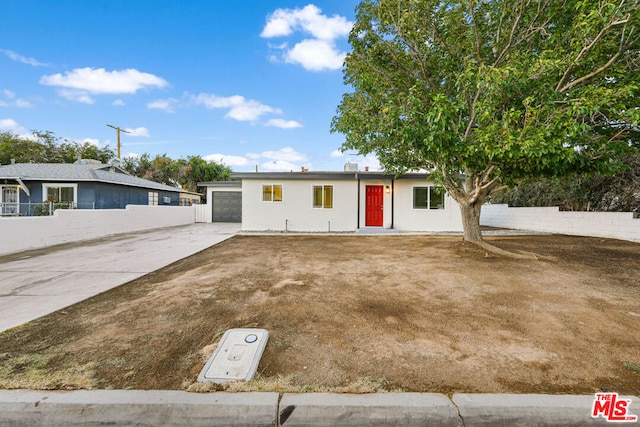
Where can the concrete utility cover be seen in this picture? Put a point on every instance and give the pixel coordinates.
(237, 356)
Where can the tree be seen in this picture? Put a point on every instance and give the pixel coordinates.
(45, 147)
(619, 192)
(483, 93)
(184, 173)
(200, 170)
(72, 151)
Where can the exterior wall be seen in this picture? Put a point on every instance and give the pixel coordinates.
(64, 226)
(111, 196)
(616, 225)
(296, 211)
(98, 195)
(406, 218)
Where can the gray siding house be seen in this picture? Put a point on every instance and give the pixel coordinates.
(31, 188)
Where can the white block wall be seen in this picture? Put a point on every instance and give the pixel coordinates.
(615, 225)
(64, 226)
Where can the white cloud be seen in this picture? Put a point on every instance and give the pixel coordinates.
(78, 84)
(167, 105)
(283, 160)
(8, 124)
(19, 58)
(337, 153)
(280, 46)
(13, 102)
(314, 54)
(141, 131)
(286, 153)
(227, 159)
(250, 111)
(118, 103)
(15, 128)
(284, 22)
(239, 107)
(100, 81)
(131, 155)
(284, 124)
(76, 95)
(21, 103)
(282, 166)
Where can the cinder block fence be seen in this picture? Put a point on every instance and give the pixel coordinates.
(615, 225)
(65, 226)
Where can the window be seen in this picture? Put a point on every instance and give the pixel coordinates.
(272, 193)
(428, 197)
(436, 198)
(153, 198)
(60, 193)
(323, 196)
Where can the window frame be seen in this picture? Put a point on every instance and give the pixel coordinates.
(428, 201)
(153, 198)
(323, 195)
(272, 193)
(59, 185)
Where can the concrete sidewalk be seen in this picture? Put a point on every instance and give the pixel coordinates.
(42, 281)
(179, 408)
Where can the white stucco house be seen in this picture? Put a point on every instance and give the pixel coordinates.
(346, 201)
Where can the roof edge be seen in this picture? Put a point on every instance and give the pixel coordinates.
(327, 175)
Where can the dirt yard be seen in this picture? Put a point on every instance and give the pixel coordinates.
(357, 314)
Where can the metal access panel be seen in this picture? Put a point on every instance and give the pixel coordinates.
(227, 206)
(237, 356)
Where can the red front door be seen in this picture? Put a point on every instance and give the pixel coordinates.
(374, 212)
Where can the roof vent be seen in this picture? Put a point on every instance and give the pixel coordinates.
(350, 167)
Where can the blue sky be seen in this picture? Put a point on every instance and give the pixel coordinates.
(246, 83)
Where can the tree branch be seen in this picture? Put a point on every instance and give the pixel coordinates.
(586, 49)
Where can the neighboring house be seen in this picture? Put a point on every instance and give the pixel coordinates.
(34, 188)
(335, 201)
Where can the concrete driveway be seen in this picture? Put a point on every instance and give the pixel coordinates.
(39, 282)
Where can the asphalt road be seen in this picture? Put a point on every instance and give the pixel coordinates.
(38, 282)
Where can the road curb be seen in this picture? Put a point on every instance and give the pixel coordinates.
(383, 409)
(136, 407)
(530, 409)
(178, 408)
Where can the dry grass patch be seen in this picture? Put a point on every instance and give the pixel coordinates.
(357, 314)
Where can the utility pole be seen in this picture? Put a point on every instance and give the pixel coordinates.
(119, 130)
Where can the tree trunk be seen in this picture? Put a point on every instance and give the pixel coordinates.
(471, 221)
